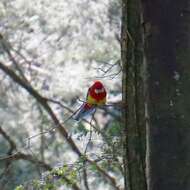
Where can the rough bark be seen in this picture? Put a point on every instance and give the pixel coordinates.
(133, 96)
(167, 39)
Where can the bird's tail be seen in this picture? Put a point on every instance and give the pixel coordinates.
(84, 111)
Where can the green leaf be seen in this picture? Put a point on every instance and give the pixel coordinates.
(20, 187)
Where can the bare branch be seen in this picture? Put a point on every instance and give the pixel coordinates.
(86, 121)
(106, 71)
(84, 163)
(11, 149)
(119, 104)
(11, 142)
(44, 103)
(30, 158)
(6, 47)
(18, 155)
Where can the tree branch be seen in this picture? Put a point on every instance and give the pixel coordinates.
(11, 142)
(28, 157)
(11, 149)
(7, 47)
(44, 103)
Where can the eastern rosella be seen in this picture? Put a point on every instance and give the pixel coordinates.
(96, 96)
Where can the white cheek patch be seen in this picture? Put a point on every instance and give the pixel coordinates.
(97, 91)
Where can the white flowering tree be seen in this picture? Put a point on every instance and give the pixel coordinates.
(50, 52)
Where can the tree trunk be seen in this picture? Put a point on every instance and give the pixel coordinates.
(167, 40)
(133, 96)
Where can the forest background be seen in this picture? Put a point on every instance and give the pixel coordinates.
(51, 52)
(57, 49)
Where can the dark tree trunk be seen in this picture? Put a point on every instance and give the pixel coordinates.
(167, 41)
(133, 95)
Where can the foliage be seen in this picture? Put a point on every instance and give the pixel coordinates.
(20, 187)
(56, 178)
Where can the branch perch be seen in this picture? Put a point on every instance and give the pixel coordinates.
(44, 103)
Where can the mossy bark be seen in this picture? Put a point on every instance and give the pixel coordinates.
(133, 95)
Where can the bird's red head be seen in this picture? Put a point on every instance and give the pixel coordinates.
(97, 91)
(98, 88)
(98, 85)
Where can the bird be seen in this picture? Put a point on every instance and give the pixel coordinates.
(96, 96)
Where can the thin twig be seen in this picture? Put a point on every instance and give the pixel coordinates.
(44, 103)
(18, 155)
(31, 158)
(112, 75)
(84, 163)
(6, 47)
